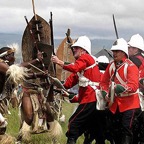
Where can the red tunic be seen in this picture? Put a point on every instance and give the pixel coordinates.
(86, 94)
(131, 80)
(141, 68)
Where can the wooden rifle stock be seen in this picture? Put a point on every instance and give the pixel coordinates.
(111, 94)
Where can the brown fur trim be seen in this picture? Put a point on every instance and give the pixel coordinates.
(16, 74)
(55, 130)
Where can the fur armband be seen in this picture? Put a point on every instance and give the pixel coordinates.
(16, 74)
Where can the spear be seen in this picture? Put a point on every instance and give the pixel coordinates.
(54, 79)
(37, 28)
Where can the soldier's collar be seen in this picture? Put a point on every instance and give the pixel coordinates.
(120, 62)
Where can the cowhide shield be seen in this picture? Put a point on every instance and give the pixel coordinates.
(47, 53)
(29, 48)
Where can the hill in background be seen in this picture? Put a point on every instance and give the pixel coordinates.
(9, 39)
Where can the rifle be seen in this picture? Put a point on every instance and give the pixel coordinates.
(51, 27)
(52, 40)
(111, 94)
(116, 32)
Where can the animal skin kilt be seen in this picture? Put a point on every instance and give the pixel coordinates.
(36, 98)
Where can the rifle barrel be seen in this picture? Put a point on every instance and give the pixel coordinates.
(116, 32)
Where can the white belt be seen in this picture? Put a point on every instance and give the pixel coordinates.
(86, 83)
(93, 83)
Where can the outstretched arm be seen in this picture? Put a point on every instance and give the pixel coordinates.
(37, 60)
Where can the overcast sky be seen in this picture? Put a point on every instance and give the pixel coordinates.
(84, 17)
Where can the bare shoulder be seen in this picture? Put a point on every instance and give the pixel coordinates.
(3, 67)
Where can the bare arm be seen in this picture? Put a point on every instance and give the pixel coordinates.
(37, 60)
(3, 67)
(26, 64)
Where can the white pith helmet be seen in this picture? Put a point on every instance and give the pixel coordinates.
(103, 59)
(137, 41)
(120, 44)
(83, 42)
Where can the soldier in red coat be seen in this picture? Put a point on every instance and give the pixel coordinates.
(119, 86)
(136, 50)
(86, 74)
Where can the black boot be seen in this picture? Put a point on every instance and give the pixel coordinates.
(71, 141)
(126, 140)
(88, 139)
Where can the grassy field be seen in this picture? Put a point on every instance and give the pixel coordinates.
(13, 127)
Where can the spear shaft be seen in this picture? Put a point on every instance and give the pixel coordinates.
(37, 28)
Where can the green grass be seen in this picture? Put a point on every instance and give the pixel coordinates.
(13, 126)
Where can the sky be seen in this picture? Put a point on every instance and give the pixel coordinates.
(84, 17)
